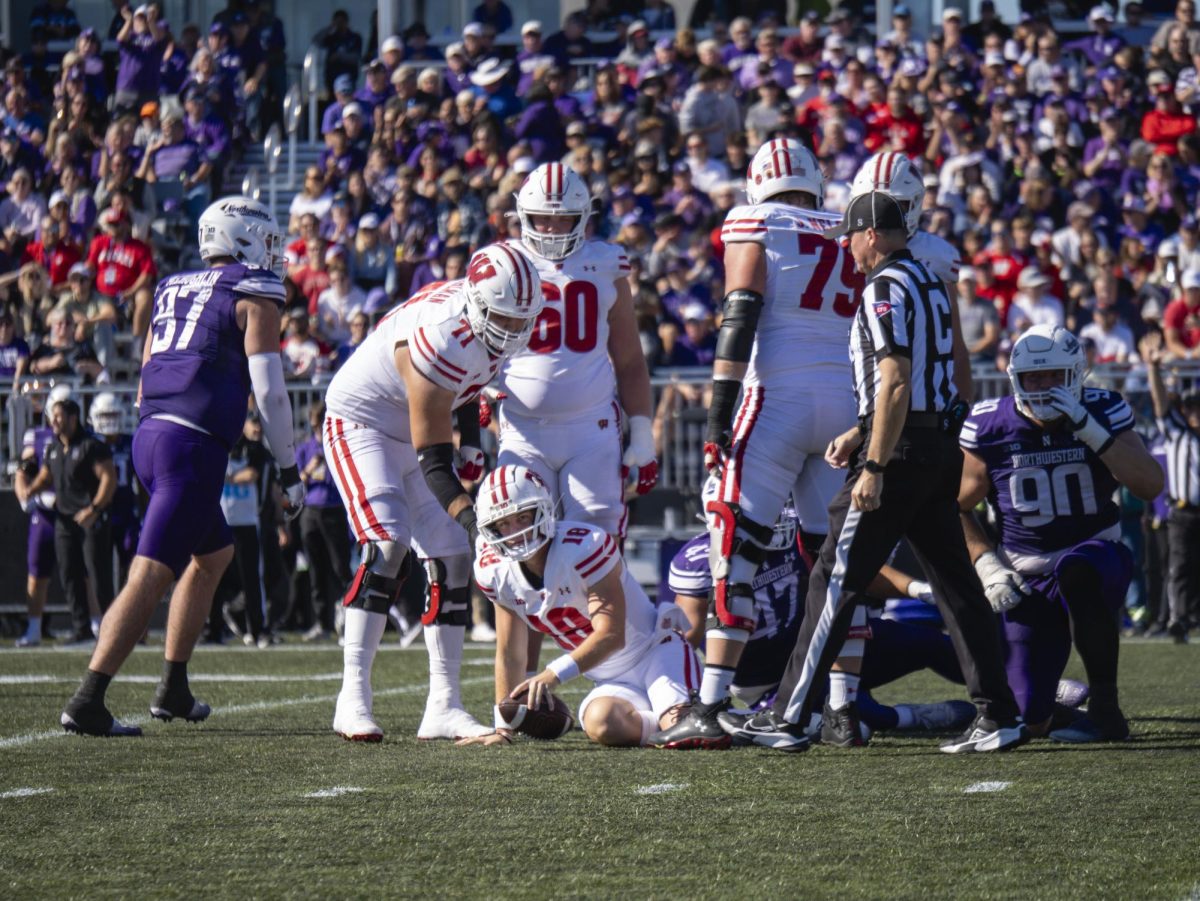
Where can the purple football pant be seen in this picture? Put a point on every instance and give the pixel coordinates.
(39, 555)
(183, 471)
(1037, 631)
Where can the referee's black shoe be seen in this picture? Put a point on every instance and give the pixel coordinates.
(989, 735)
(841, 728)
(766, 728)
(699, 730)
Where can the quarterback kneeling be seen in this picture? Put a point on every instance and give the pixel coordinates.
(568, 581)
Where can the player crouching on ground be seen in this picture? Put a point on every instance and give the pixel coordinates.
(568, 581)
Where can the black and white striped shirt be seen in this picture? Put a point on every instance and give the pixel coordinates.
(1183, 459)
(905, 310)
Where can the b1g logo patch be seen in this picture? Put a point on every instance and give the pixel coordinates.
(882, 308)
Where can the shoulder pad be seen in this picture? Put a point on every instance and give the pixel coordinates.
(746, 224)
(592, 552)
(438, 349)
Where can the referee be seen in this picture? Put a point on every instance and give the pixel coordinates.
(1181, 430)
(905, 466)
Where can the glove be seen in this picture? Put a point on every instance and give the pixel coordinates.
(922, 591)
(716, 454)
(468, 464)
(487, 408)
(1005, 588)
(293, 492)
(639, 456)
(671, 618)
(1085, 426)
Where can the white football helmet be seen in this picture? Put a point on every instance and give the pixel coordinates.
(244, 229)
(1045, 348)
(893, 174)
(784, 164)
(502, 282)
(783, 533)
(105, 414)
(552, 189)
(57, 394)
(505, 492)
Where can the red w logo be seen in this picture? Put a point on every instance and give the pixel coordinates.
(481, 268)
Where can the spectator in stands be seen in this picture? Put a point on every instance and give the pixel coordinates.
(338, 303)
(55, 250)
(1181, 319)
(97, 314)
(14, 351)
(209, 132)
(979, 320)
(1113, 340)
(124, 268)
(301, 351)
(122, 179)
(457, 201)
(20, 212)
(372, 263)
(494, 13)
(1033, 305)
(343, 48)
(313, 198)
(60, 354)
(572, 42)
(696, 345)
(141, 42)
(177, 166)
(312, 277)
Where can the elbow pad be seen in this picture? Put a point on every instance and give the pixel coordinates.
(270, 393)
(736, 338)
(437, 465)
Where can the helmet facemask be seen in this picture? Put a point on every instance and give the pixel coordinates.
(552, 246)
(500, 341)
(1037, 403)
(523, 543)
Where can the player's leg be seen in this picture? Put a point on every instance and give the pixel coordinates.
(617, 715)
(590, 472)
(248, 554)
(671, 672)
(40, 563)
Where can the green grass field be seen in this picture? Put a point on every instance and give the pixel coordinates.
(247, 804)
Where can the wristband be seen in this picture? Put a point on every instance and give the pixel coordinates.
(564, 667)
(874, 467)
(1094, 435)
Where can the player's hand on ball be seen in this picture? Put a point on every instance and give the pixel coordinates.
(1004, 587)
(468, 463)
(539, 690)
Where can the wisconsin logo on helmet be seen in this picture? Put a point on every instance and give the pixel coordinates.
(481, 269)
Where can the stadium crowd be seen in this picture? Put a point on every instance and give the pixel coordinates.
(1065, 171)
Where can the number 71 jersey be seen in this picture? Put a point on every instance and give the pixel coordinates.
(813, 292)
(566, 370)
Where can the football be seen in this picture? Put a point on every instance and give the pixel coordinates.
(544, 723)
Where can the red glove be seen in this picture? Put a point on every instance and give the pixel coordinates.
(468, 464)
(486, 411)
(647, 476)
(716, 456)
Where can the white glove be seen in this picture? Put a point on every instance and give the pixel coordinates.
(468, 463)
(671, 618)
(1004, 587)
(639, 457)
(922, 591)
(1085, 426)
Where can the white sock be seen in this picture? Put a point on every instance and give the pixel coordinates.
(904, 716)
(445, 645)
(714, 684)
(649, 724)
(843, 689)
(364, 631)
(34, 627)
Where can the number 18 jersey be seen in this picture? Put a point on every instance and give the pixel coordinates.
(566, 371)
(813, 292)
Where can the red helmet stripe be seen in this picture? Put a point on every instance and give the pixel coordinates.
(890, 163)
(512, 257)
(492, 486)
(504, 483)
(878, 166)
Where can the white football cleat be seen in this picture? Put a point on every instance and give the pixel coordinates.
(354, 722)
(450, 723)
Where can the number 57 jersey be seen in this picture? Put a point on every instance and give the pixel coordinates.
(812, 294)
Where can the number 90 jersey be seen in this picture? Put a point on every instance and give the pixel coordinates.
(813, 292)
(566, 371)
(441, 346)
(1050, 491)
(580, 556)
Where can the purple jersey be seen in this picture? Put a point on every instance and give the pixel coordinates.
(322, 490)
(1049, 490)
(38, 439)
(197, 373)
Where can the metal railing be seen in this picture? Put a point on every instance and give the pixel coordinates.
(293, 111)
(272, 152)
(310, 86)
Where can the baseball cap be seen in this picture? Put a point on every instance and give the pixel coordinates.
(1158, 78)
(111, 217)
(473, 30)
(368, 220)
(1191, 278)
(872, 210)
(576, 128)
(1031, 277)
(343, 84)
(533, 26)
(664, 44)
(390, 44)
(455, 49)
(682, 168)
(1189, 222)
(635, 26)
(83, 270)
(630, 219)
(334, 252)
(967, 274)
(1099, 13)
(352, 109)
(802, 70)
(912, 67)
(835, 42)
(149, 108)
(218, 28)
(993, 58)
(58, 197)
(838, 15)
(901, 12)
(694, 311)
(951, 12)
(523, 165)
(1079, 210)
(622, 192)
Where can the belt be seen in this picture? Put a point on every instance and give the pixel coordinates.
(912, 421)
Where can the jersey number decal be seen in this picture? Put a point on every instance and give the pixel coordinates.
(166, 322)
(1042, 494)
(848, 285)
(577, 325)
(575, 536)
(566, 625)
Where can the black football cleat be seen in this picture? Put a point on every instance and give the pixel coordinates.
(766, 728)
(841, 728)
(699, 730)
(989, 735)
(170, 705)
(94, 719)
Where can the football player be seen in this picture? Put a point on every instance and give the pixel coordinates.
(1048, 459)
(389, 433)
(791, 295)
(107, 419)
(567, 580)
(215, 337)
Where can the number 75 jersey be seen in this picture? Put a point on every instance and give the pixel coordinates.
(813, 292)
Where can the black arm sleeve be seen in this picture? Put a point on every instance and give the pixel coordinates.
(466, 418)
(720, 411)
(437, 465)
(736, 338)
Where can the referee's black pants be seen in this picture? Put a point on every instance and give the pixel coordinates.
(84, 554)
(920, 503)
(326, 543)
(1183, 565)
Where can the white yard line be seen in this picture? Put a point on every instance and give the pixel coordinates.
(985, 787)
(661, 788)
(202, 650)
(24, 793)
(336, 792)
(17, 741)
(38, 679)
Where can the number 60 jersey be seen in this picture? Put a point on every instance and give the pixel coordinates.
(197, 372)
(813, 292)
(1050, 490)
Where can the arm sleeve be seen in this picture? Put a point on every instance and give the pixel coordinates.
(270, 393)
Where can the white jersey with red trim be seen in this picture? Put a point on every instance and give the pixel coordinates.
(812, 294)
(580, 556)
(937, 255)
(566, 371)
(369, 390)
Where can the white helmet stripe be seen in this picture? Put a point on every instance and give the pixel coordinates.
(520, 272)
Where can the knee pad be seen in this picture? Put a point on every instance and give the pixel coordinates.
(381, 575)
(734, 536)
(447, 598)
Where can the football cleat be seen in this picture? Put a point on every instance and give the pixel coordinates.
(1071, 693)
(766, 728)
(941, 716)
(841, 729)
(699, 730)
(1088, 729)
(28, 641)
(450, 723)
(988, 735)
(354, 722)
(189, 709)
(87, 720)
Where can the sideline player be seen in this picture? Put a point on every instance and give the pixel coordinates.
(1049, 459)
(389, 433)
(108, 421)
(795, 372)
(567, 580)
(215, 336)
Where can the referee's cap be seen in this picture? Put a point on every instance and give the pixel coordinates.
(871, 210)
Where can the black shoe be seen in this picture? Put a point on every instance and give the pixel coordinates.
(94, 719)
(699, 730)
(1104, 722)
(1178, 633)
(168, 705)
(841, 728)
(766, 728)
(989, 735)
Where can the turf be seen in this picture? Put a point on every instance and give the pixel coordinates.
(221, 809)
